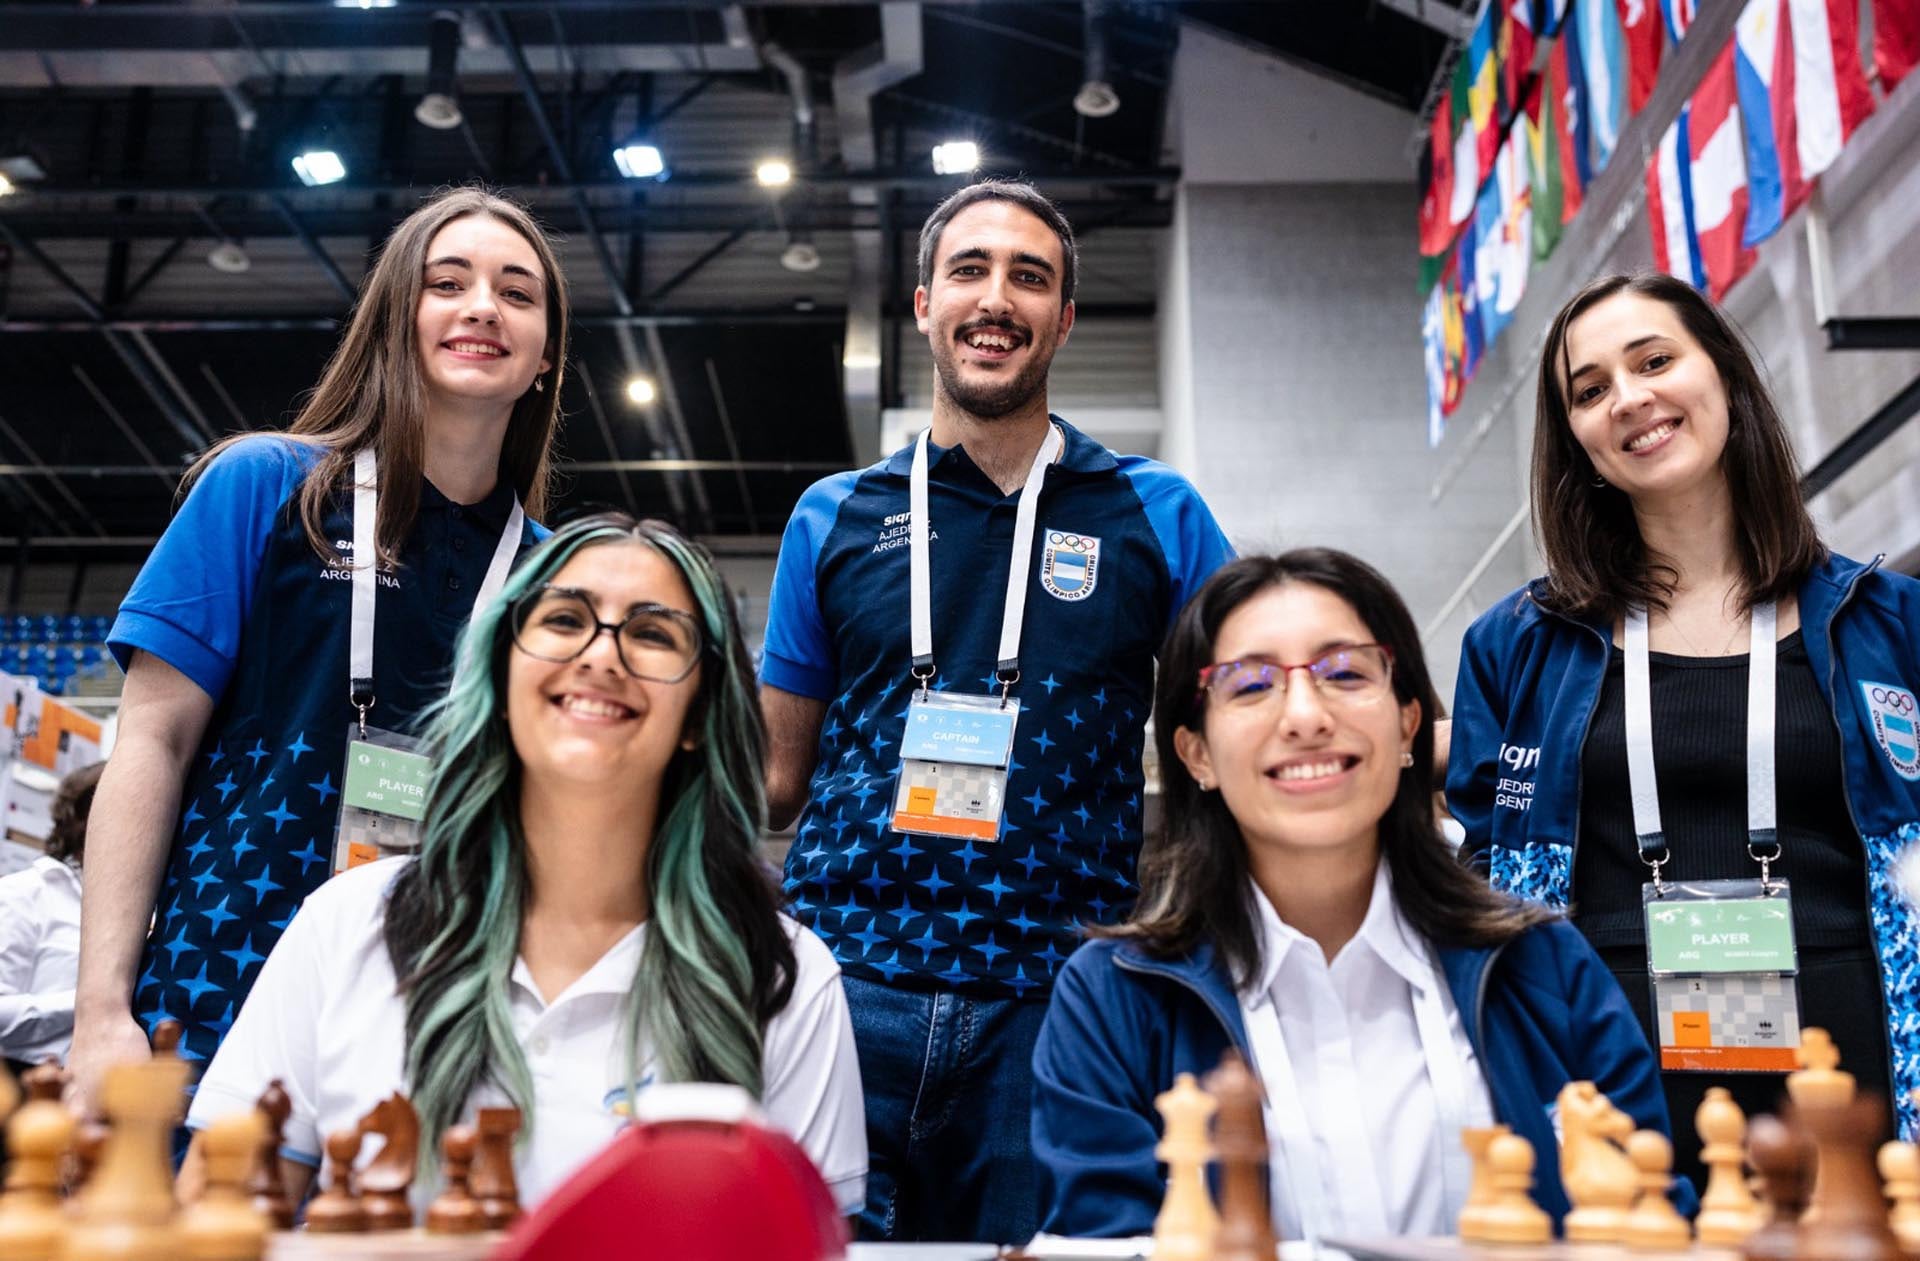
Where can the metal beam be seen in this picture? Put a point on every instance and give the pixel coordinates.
(1857, 445)
(1455, 24)
(693, 268)
(565, 466)
(680, 443)
(74, 288)
(320, 255)
(152, 465)
(530, 89)
(733, 447)
(1872, 332)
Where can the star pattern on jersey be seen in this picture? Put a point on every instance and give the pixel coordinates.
(256, 836)
(995, 916)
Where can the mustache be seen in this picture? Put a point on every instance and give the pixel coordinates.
(998, 326)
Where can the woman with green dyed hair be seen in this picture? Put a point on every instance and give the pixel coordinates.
(587, 914)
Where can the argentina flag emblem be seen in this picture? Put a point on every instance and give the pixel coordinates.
(1892, 711)
(1069, 565)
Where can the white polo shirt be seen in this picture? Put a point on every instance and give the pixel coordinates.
(326, 1018)
(1368, 1101)
(39, 958)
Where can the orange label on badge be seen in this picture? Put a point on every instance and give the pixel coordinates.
(919, 800)
(1692, 1029)
(359, 854)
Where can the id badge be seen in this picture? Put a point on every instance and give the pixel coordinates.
(1723, 964)
(383, 797)
(953, 766)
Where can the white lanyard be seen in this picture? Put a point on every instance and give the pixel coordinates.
(1007, 667)
(1300, 1171)
(1763, 841)
(366, 511)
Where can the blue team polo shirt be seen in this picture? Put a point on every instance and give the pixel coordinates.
(235, 598)
(1121, 543)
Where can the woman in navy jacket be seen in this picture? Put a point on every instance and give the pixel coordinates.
(1664, 478)
(1300, 906)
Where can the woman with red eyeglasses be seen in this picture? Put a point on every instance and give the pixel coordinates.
(1299, 905)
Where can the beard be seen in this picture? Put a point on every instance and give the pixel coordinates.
(992, 397)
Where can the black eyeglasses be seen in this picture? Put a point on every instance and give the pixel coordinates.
(654, 642)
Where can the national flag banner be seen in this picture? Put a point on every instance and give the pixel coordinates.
(1483, 89)
(1640, 25)
(1472, 334)
(1514, 50)
(1513, 175)
(1548, 17)
(1719, 176)
(1896, 40)
(1466, 146)
(1678, 16)
(1763, 74)
(1830, 96)
(1543, 169)
(1568, 104)
(1436, 196)
(1433, 341)
(1670, 205)
(1574, 98)
(1455, 331)
(1603, 53)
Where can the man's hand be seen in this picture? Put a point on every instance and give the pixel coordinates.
(101, 1040)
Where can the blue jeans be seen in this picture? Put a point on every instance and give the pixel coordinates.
(949, 1086)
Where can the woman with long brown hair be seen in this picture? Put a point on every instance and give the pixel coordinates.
(1699, 707)
(1299, 905)
(311, 583)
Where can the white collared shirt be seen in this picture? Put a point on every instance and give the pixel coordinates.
(1380, 1120)
(39, 959)
(326, 1018)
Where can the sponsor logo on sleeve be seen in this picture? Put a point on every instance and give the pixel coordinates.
(1069, 565)
(1891, 709)
(1513, 788)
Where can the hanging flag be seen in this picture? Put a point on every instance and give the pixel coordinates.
(1896, 40)
(1761, 55)
(1678, 15)
(1515, 255)
(1466, 146)
(1574, 98)
(1548, 17)
(1436, 175)
(1561, 139)
(1433, 340)
(1830, 96)
(1483, 89)
(1454, 329)
(1670, 206)
(1472, 334)
(1719, 176)
(1603, 53)
(1514, 50)
(1543, 169)
(1640, 26)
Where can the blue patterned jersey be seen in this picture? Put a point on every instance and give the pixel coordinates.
(1121, 543)
(235, 598)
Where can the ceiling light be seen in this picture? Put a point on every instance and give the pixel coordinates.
(640, 391)
(22, 168)
(319, 166)
(365, 4)
(7, 187)
(229, 257)
(800, 254)
(639, 160)
(1096, 99)
(440, 107)
(774, 173)
(955, 157)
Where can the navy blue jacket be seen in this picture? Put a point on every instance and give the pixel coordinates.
(1528, 684)
(1540, 1010)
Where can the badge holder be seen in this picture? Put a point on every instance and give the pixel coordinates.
(954, 758)
(383, 793)
(1722, 962)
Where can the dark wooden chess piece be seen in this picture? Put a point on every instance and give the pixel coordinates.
(265, 1186)
(491, 1181)
(388, 1176)
(1240, 1144)
(336, 1210)
(1784, 1161)
(454, 1211)
(1850, 1211)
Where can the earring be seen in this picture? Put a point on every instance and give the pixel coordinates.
(1206, 786)
(539, 386)
(1406, 760)
(1599, 480)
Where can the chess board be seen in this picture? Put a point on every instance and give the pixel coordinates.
(1451, 1248)
(399, 1245)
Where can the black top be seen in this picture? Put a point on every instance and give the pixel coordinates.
(1699, 742)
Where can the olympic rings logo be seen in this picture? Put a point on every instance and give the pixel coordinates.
(1897, 701)
(1071, 541)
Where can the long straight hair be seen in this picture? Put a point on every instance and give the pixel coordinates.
(1597, 562)
(373, 389)
(717, 964)
(1194, 884)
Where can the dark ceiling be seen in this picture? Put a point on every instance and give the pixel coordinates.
(122, 351)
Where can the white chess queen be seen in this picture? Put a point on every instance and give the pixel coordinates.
(1300, 905)
(586, 915)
